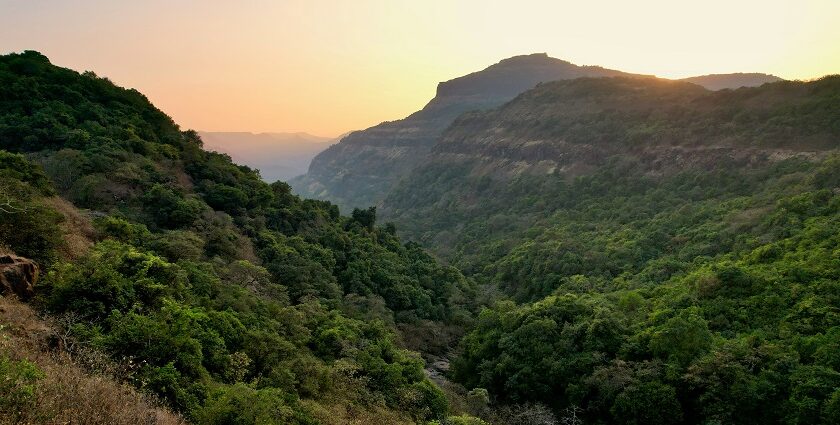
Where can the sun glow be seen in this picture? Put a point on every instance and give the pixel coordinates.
(327, 67)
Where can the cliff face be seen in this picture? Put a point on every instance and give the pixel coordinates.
(365, 165)
(487, 162)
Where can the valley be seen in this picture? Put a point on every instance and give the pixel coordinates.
(543, 243)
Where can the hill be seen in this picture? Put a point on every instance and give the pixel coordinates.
(277, 156)
(217, 290)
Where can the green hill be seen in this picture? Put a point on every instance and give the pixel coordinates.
(231, 299)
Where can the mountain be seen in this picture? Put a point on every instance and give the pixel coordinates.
(732, 81)
(361, 169)
(277, 156)
(364, 166)
(194, 280)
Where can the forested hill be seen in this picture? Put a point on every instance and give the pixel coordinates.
(231, 299)
(667, 254)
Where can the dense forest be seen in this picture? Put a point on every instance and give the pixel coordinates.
(676, 261)
(233, 300)
(612, 250)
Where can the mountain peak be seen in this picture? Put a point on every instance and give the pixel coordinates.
(513, 75)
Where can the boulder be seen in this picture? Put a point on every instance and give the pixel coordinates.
(18, 276)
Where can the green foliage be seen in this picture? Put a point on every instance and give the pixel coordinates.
(649, 403)
(240, 404)
(18, 383)
(170, 209)
(713, 287)
(28, 224)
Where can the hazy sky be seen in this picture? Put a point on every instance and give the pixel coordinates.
(327, 67)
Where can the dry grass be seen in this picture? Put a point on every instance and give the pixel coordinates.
(347, 413)
(68, 393)
(78, 229)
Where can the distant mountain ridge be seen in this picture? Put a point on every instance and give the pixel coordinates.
(361, 169)
(732, 81)
(278, 156)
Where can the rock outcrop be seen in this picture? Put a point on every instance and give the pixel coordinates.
(18, 276)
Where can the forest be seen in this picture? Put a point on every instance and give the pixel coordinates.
(699, 295)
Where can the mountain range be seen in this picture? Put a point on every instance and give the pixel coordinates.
(365, 165)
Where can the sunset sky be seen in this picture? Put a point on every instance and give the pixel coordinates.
(327, 67)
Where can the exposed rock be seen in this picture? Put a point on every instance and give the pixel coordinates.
(18, 276)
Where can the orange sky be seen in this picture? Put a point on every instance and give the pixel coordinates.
(326, 67)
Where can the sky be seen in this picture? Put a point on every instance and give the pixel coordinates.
(328, 67)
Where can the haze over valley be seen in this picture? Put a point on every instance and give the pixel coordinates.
(278, 156)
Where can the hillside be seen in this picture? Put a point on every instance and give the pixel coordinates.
(277, 156)
(43, 383)
(665, 254)
(216, 289)
(359, 171)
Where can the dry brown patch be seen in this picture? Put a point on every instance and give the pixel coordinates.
(68, 393)
(78, 230)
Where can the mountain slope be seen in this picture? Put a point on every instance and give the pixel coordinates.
(359, 171)
(277, 156)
